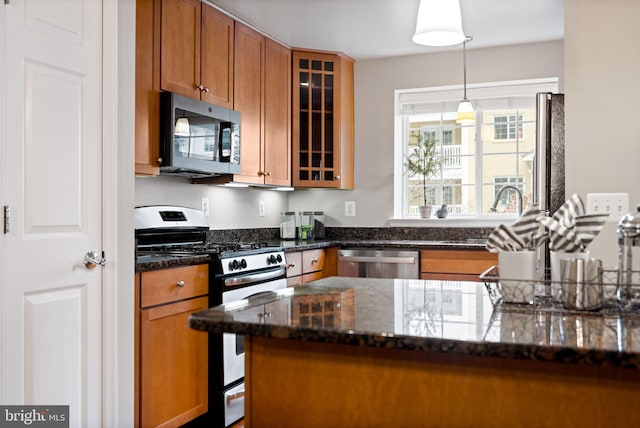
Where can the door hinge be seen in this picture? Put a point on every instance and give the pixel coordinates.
(7, 219)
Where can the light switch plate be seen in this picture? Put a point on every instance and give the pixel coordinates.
(350, 208)
(261, 208)
(616, 204)
(205, 206)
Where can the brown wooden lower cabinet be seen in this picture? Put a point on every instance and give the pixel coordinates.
(334, 385)
(455, 265)
(171, 359)
(309, 265)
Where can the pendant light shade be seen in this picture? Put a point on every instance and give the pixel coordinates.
(439, 23)
(465, 115)
(182, 127)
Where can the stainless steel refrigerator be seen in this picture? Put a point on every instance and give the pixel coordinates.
(549, 178)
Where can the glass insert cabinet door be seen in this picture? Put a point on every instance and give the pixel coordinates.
(317, 121)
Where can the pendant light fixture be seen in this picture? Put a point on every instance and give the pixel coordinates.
(439, 23)
(465, 115)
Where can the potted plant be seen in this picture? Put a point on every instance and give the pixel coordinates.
(423, 161)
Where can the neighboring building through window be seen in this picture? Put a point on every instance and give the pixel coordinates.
(476, 159)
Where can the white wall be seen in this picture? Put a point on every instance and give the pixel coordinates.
(230, 208)
(602, 87)
(375, 82)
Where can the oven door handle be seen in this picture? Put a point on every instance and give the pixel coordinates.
(254, 277)
(235, 396)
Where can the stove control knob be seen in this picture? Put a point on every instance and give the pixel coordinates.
(233, 265)
(243, 264)
(279, 258)
(271, 259)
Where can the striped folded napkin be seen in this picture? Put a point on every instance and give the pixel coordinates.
(519, 236)
(570, 229)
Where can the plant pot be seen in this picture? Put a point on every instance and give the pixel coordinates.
(425, 211)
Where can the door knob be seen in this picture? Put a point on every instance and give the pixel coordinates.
(92, 259)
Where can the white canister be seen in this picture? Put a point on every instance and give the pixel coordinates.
(518, 275)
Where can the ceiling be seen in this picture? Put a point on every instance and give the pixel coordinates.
(367, 29)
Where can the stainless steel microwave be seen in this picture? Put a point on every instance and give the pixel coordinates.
(197, 139)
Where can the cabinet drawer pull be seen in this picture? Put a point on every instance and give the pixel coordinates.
(291, 265)
(180, 284)
(315, 260)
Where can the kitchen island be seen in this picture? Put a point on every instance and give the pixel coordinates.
(383, 352)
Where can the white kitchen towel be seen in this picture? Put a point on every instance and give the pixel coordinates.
(527, 226)
(517, 237)
(570, 229)
(569, 211)
(503, 238)
(589, 226)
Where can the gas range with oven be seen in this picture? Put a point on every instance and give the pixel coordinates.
(237, 270)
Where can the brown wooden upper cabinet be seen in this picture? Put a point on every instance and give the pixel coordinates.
(262, 96)
(147, 116)
(322, 120)
(197, 46)
(182, 46)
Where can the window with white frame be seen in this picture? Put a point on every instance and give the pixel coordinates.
(507, 127)
(476, 159)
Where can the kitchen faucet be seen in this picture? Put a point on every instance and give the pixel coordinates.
(502, 189)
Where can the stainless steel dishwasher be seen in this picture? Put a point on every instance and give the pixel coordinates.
(372, 263)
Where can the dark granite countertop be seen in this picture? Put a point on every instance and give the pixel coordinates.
(448, 317)
(155, 262)
(468, 244)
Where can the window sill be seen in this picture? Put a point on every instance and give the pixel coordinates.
(492, 221)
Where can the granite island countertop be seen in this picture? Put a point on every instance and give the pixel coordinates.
(444, 317)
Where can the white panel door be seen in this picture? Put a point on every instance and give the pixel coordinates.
(51, 310)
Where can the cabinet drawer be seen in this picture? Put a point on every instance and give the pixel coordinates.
(294, 264)
(313, 260)
(168, 285)
(450, 261)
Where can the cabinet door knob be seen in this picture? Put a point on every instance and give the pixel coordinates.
(315, 260)
(180, 284)
(337, 177)
(205, 89)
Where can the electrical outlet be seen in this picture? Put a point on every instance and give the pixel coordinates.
(350, 208)
(616, 204)
(261, 208)
(205, 206)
